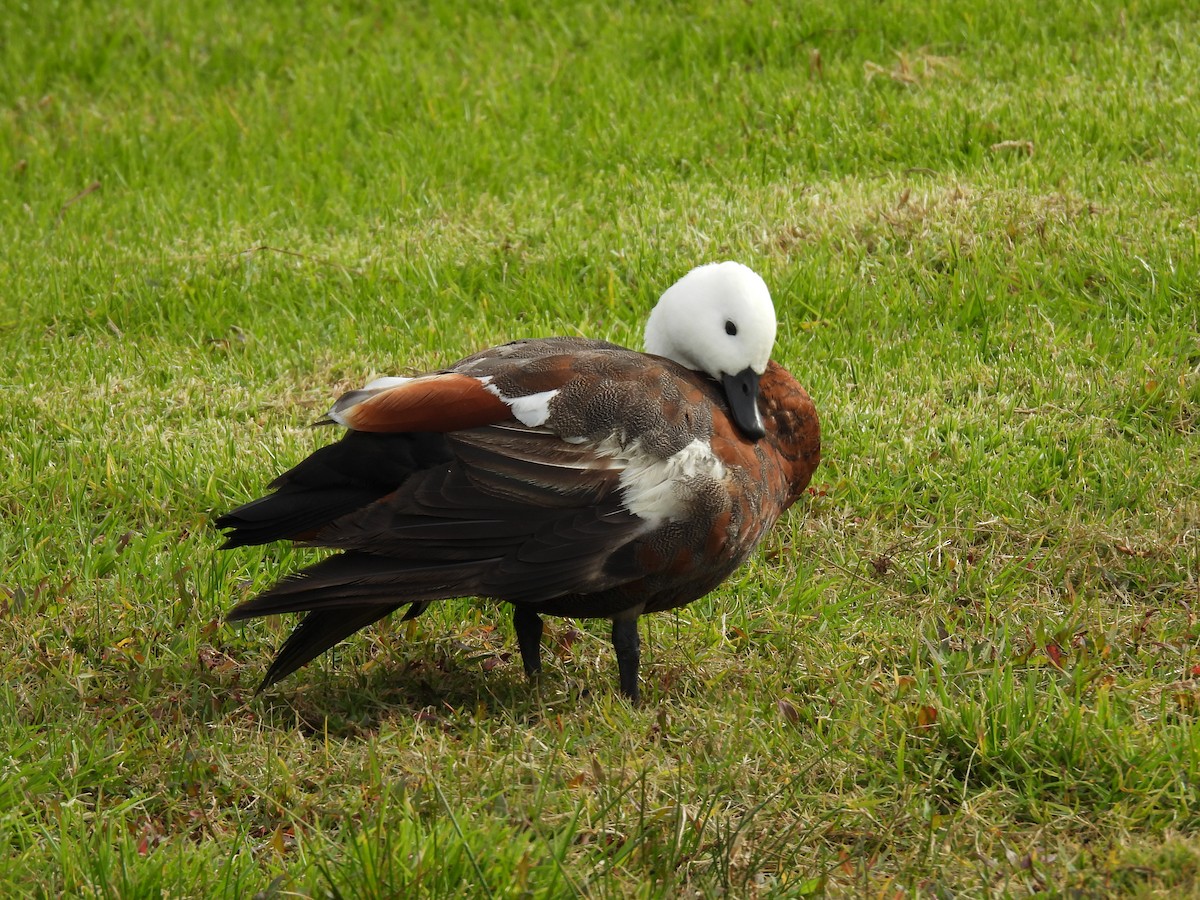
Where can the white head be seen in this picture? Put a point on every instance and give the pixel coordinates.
(719, 319)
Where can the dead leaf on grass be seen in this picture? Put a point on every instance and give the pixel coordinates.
(788, 710)
(1025, 147)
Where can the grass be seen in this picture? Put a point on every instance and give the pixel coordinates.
(968, 664)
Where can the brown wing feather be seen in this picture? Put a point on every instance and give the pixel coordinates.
(443, 402)
(523, 513)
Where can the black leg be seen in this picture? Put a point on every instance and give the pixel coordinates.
(528, 625)
(628, 646)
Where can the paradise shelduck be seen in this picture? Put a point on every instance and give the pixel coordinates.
(567, 476)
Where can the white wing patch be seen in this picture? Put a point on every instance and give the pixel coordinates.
(387, 381)
(532, 410)
(656, 489)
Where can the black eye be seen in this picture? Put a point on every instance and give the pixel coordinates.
(730, 328)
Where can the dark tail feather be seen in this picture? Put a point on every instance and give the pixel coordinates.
(318, 632)
(336, 480)
(414, 610)
(289, 514)
(349, 581)
(345, 593)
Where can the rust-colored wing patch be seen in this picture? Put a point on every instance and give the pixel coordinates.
(445, 402)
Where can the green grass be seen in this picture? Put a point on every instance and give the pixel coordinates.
(967, 664)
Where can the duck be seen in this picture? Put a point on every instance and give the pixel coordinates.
(565, 476)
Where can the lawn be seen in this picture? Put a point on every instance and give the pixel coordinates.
(967, 664)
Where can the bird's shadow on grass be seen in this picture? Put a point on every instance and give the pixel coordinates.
(456, 697)
(444, 684)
